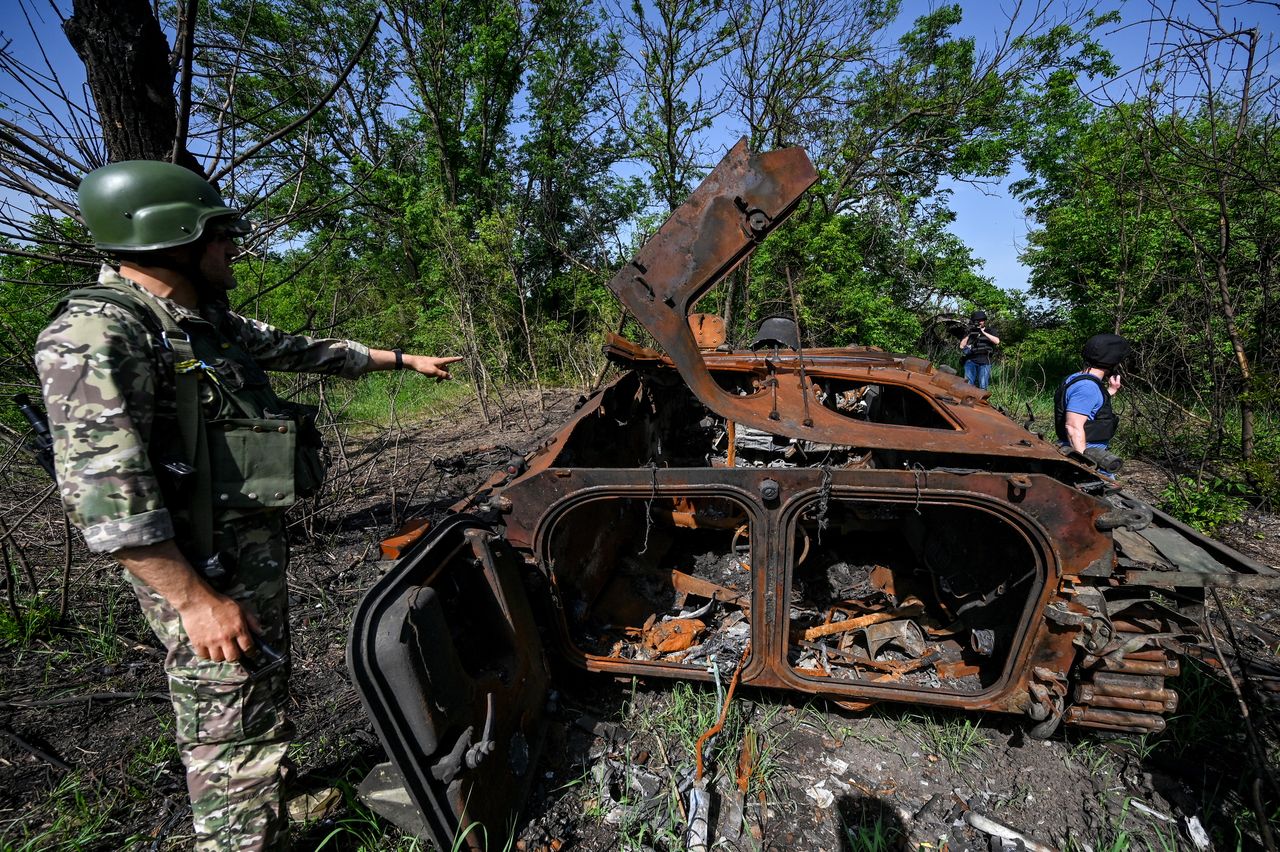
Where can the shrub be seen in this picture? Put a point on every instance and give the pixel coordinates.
(1205, 506)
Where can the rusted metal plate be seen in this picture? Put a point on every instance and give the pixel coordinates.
(1200, 579)
(708, 330)
(1185, 554)
(410, 532)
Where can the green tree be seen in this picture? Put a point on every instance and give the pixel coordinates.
(667, 91)
(1158, 220)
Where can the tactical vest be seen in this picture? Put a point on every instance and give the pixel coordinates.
(1101, 429)
(979, 349)
(236, 448)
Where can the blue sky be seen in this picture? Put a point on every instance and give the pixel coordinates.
(989, 221)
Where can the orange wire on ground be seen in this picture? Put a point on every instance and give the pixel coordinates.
(724, 712)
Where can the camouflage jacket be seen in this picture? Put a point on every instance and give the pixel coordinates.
(106, 380)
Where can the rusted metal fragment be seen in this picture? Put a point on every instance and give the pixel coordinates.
(747, 757)
(691, 585)
(832, 628)
(410, 531)
(957, 669)
(1199, 579)
(1137, 548)
(679, 634)
(1115, 720)
(904, 633)
(708, 330)
(907, 668)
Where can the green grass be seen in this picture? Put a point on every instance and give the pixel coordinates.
(1092, 756)
(1013, 393)
(955, 739)
(80, 814)
(153, 758)
(669, 729)
(1207, 716)
(371, 401)
(35, 617)
(100, 634)
(690, 711)
(872, 833)
(1127, 833)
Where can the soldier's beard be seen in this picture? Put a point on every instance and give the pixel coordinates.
(214, 277)
(212, 280)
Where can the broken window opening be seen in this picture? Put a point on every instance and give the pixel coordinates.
(754, 448)
(890, 405)
(870, 402)
(665, 580)
(888, 596)
(643, 419)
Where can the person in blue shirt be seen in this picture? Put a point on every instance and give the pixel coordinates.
(1082, 414)
(976, 346)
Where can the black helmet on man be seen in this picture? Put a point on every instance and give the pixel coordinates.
(148, 205)
(1105, 350)
(978, 315)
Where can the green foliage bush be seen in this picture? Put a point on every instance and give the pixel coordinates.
(1207, 506)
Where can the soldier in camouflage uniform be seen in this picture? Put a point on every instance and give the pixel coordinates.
(190, 496)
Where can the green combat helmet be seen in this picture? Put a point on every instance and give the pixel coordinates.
(145, 205)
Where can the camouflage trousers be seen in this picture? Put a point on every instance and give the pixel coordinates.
(232, 731)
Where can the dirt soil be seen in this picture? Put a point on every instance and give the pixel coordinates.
(86, 759)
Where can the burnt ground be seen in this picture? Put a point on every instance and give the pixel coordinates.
(86, 759)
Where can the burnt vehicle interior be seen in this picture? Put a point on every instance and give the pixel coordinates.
(667, 580)
(850, 523)
(920, 595)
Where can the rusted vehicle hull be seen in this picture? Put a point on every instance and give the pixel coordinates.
(850, 524)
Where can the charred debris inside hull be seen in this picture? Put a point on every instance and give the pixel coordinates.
(878, 592)
(649, 417)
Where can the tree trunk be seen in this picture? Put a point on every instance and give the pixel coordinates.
(1247, 440)
(126, 60)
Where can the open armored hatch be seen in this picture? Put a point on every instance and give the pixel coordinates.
(857, 525)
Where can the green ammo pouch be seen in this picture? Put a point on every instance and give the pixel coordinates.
(268, 463)
(251, 463)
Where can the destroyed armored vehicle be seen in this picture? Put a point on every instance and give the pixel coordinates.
(849, 523)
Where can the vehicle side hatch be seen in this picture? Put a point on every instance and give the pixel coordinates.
(445, 655)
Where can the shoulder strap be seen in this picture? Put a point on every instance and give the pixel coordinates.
(1080, 377)
(186, 381)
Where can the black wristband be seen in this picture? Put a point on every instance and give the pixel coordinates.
(399, 353)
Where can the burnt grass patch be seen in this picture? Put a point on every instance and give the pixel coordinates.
(87, 759)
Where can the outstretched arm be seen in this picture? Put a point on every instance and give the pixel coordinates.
(385, 359)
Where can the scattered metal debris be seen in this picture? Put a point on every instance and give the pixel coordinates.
(1004, 832)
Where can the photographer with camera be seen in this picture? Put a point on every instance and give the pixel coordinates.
(976, 346)
(1082, 414)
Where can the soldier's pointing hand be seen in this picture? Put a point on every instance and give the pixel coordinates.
(429, 366)
(394, 359)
